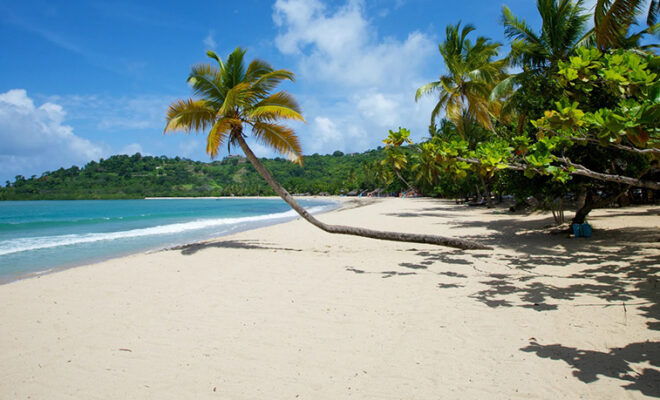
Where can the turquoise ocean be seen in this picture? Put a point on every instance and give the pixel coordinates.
(40, 236)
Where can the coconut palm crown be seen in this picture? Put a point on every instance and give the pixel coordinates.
(564, 23)
(613, 20)
(231, 98)
(465, 89)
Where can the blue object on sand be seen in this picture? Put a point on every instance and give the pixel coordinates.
(577, 231)
(581, 230)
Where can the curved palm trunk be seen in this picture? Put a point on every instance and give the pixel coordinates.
(348, 230)
(398, 174)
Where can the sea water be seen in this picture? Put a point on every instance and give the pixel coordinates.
(39, 236)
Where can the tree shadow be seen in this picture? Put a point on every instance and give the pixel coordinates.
(423, 214)
(192, 248)
(620, 266)
(588, 365)
(384, 274)
(623, 269)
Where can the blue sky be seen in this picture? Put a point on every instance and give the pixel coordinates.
(80, 80)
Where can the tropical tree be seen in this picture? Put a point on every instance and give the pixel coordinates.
(463, 93)
(426, 168)
(523, 96)
(395, 157)
(604, 130)
(563, 26)
(613, 20)
(234, 101)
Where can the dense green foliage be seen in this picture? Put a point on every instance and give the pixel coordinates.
(578, 119)
(122, 177)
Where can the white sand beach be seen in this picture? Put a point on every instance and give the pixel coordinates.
(291, 312)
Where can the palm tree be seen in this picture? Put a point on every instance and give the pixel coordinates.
(564, 23)
(234, 101)
(614, 18)
(394, 155)
(465, 89)
(426, 167)
(562, 31)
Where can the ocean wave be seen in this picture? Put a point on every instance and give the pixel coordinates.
(59, 223)
(44, 242)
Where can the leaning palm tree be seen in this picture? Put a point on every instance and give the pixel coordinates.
(235, 101)
(471, 75)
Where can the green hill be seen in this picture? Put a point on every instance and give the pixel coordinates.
(137, 176)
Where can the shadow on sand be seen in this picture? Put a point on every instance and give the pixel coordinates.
(620, 270)
(588, 365)
(190, 249)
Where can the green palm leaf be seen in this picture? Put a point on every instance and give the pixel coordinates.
(219, 134)
(280, 138)
(231, 96)
(189, 115)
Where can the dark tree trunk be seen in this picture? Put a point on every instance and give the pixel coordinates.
(348, 230)
(582, 212)
(591, 203)
(489, 202)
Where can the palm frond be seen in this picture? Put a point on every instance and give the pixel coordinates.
(269, 81)
(256, 69)
(438, 107)
(238, 97)
(280, 138)
(427, 89)
(280, 105)
(504, 88)
(189, 115)
(206, 81)
(218, 134)
(234, 71)
(518, 29)
(612, 18)
(654, 12)
(274, 113)
(214, 56)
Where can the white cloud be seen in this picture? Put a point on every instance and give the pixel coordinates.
(343, 47)
(209, 40)
(379, 108)
(35, 139)
(133, 148)
(368, 82)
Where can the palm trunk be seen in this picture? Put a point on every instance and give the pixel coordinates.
(590, 204)
(398, 174)
(348, 230)
(488, 200)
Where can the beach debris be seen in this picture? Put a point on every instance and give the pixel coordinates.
(128, 350)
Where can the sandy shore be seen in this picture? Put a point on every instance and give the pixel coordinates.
(290, 312)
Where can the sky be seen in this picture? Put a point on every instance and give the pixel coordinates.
(83, 80)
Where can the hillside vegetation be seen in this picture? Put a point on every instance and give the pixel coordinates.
(137, 176)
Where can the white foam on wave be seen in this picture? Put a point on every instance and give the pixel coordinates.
(44, 242)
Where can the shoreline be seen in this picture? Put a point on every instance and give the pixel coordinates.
(337, 205)
(288, 310)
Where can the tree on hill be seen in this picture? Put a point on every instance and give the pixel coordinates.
(234, 101)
